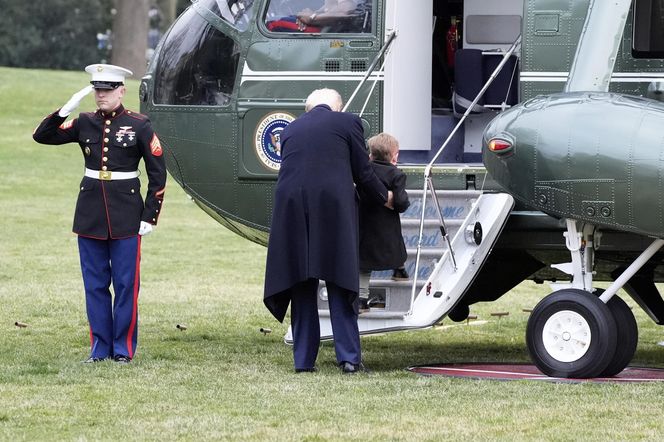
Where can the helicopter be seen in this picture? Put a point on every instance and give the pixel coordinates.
(448, 78)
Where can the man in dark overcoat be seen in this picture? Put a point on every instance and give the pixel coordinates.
(111, 216)
(314, 232)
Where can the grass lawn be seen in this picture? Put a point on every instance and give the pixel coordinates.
(221, 379)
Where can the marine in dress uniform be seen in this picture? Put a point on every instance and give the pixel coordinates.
(111, 216)
(314, 231)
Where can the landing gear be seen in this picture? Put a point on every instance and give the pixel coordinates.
(571, 334)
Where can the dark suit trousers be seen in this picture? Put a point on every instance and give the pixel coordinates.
(306, 328)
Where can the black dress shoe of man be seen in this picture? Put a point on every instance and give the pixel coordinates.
(92, 360)
(348, 368)
(306, 370)
(122, 359)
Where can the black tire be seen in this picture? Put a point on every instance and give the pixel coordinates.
(627, 335)
(586, 316)
(459, 313)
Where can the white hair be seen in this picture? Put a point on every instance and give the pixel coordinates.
(324, 96)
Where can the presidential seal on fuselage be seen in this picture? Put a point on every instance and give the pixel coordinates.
(267, 139)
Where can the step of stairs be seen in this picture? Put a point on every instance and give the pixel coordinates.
(396, 295)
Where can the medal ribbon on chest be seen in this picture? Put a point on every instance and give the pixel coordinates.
(125, 132)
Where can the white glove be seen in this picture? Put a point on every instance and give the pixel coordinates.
(145, 229)
(74, 101)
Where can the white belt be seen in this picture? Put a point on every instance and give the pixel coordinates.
(107, 175)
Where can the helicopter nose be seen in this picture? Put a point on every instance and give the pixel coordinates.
(588, 156)
(509, 145)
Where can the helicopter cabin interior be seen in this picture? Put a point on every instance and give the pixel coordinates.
(468, 41)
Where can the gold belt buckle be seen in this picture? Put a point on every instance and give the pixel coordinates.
(105, 175)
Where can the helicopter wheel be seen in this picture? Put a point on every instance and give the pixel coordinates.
(571, 334)
(628, 332)
(459, 313)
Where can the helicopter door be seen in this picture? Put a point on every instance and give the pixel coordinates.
(407, 108)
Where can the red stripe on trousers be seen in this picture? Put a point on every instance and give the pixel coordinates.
(134, 315)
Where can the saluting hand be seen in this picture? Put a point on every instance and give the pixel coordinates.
(74, 101)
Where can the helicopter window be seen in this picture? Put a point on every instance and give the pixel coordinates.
(319, 16)
(197, 65)
(648, 29)
(235, 12)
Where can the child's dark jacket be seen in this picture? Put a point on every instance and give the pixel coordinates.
(381, 240)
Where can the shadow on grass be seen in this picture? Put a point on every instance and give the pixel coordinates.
(400, 355)
(652, 357)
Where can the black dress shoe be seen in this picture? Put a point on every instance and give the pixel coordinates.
(92, 360)
(348, 368)
(306, 370)
(400, 274)
(122, 359)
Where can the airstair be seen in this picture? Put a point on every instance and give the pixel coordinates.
(473, 222)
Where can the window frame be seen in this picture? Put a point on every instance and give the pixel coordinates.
(642, 17)
(262, 25)
(159, 68)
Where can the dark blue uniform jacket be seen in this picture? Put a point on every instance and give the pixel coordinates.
(314, 231)
(116, 142)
